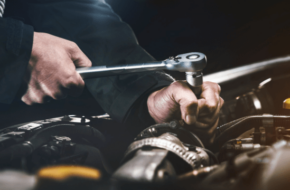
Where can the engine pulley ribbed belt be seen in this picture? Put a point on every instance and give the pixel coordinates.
(188, 156)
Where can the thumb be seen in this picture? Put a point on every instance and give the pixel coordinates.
(79, 58)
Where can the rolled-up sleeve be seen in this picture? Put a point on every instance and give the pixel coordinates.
(16, 41)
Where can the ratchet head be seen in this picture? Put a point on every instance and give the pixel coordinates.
(188, 62)
(192, 64)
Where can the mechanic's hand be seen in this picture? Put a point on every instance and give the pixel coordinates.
(178, 102)
(51, 70)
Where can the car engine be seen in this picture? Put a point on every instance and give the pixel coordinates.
(251, 147)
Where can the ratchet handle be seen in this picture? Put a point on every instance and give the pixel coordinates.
(191, 63)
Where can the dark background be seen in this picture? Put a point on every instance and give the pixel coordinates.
(230, 33)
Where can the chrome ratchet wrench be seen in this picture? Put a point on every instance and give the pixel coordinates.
(190, 63)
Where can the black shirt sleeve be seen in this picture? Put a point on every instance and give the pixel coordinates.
(99, 33)
(15, 48)
(106, 40)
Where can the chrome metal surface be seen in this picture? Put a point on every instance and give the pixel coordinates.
(194, 78)
(173, 145)
(263, 83)
(30, 126)
(256, 101)
(195, 175)
(2, 7)
(14, 179)
(101, 116)
(104, 71)
(188, 62)
(231, 74)
(191, 63)
(268, 120)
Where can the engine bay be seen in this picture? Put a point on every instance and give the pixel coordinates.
(250, 150)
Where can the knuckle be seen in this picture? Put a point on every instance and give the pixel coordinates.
(26, 101)
(217, 98)
(73, 45)
(35, 95)
(208, 83)
(36, 101)
(89, 63)
(211, 106)
(178, 84)
(74, 48)
(219, 88)
(70, 74)
(175, 84)
(72, 80)
(39, 99)
(192, 105)
(29, 103)
(216, 86)
(56, 94)
(213, 85)
(86, 63)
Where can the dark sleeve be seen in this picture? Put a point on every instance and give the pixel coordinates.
(106, 40)
(122, 96)
(118, 99)
(15, 48)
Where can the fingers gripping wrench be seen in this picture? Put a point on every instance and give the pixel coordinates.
(190, 63)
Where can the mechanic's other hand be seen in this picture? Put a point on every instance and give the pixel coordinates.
(177, 101)
(51, 69)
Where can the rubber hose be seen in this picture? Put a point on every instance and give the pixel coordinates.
(195, 138)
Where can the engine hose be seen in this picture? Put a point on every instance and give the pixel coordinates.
(194, 138)
(212, 155)
(223, 127)
(43, 136)
(235, 128)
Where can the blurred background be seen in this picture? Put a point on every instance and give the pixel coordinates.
(230, 33)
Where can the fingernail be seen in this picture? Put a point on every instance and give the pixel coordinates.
(190, 119)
